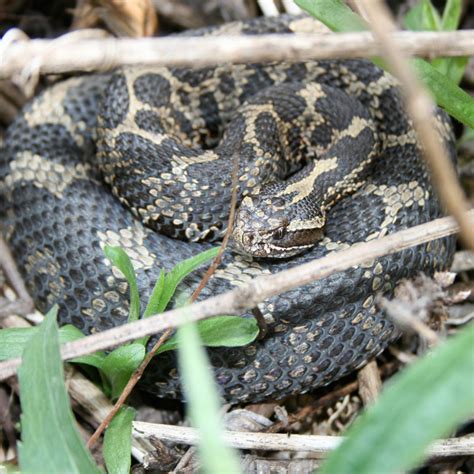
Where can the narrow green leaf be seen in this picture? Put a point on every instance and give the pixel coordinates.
(426, 401)
(452, 98)
(50, 440)
(155, 301)
(182, 270)
(203, 403)
(221, 331)
(451, 15)
(335, 14)
(447, 94)
(118, 442)
(14, 340)
(119, 258)
(451, 67)
(119, 365)
(430, 17)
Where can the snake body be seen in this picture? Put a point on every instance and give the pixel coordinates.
(186, 126)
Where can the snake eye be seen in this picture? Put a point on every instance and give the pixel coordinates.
(279, 233)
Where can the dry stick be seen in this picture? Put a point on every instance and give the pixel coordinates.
(51, 57)
(317, 445)
(370, 382)
(420, 108)
(137, 375)
(248, 296)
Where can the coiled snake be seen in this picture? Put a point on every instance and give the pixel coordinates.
(336, 124)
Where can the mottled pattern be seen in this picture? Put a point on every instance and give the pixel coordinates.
(57, 214)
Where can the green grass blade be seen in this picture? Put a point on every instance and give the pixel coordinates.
(203, 403)
(119, 258)
(430, 17)
(118, 442)
(221, 331)
(426, 401)
(335, 14)
(447, 94)
(154, 303)
(452, 98)
(451, 15)
(50, 441)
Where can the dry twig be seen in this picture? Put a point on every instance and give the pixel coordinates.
(258, 290)
(51, 57)
(370, 382)
(319, 446)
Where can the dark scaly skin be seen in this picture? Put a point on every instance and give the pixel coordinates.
(56, 215)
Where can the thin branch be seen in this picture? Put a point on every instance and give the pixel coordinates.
(420, 108)
(248, 296)
(319, 446)
(65, 54)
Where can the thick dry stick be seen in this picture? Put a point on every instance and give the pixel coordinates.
(370, 382)
(258, 290)
(420, 107)
(65, 55)
(317, 445)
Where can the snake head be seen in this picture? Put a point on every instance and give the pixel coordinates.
(267, 226)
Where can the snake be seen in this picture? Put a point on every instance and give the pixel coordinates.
(142, 157)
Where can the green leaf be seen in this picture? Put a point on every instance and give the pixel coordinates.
(119, 365)
(221, 331)
(335, 14)
(181, 271)
(155, 302)
(118, 442)
(167, 283)
(447, 94)
(452, 98)
(14, 340)
(451, 15)
(426, 401)
(50, 440)
(203, 403)
(430, 17)
(451, 67)
(121, 260)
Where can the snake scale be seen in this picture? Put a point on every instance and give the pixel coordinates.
(69, 185)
